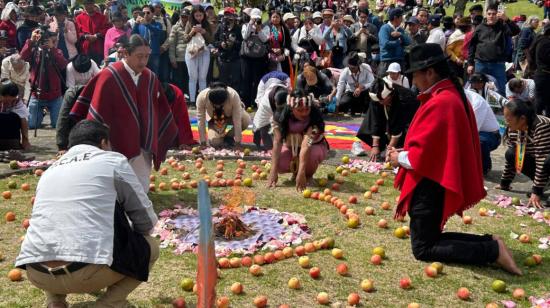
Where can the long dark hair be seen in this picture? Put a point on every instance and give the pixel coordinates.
(315, 116)
(519, 108)
(192, 21)
(286, 31)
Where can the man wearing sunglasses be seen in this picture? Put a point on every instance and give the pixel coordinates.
(151, 31)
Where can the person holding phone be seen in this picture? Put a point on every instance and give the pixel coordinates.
(491, 46)
(150, 30)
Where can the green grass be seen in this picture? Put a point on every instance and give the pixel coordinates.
(324, 221)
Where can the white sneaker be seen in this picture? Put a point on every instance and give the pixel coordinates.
(357, 149)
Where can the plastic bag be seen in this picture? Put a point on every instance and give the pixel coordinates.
(196, 45)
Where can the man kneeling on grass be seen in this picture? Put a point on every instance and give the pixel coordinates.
(79, 239)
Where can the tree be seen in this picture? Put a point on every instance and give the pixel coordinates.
(460, 6)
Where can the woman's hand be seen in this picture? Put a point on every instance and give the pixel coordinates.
(393, 157)
(535, 201)
(301, 181)
(374, 152)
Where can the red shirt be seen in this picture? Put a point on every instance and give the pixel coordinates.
(466, 44)
(96, 23)
(11, 32)
(50, 84)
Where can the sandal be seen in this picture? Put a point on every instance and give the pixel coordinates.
(17, 155)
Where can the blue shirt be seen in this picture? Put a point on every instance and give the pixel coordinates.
(391, 48)
(151, 32)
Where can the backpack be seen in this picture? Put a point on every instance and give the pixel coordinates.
(253, 47)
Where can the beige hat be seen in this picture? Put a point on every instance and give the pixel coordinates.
(256, 13)
(288, 16)
(317, 15)
(349, 18)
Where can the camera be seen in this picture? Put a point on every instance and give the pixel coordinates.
(45, 34)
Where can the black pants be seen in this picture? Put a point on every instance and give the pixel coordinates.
(252, 70)
(180, 77)
(529, 166)
(10, 131)
(359, 104)
(542, 93)
(262, 135)
(164, 67)
(230, 73)
(430, 244)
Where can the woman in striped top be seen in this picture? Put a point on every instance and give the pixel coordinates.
(528, 140)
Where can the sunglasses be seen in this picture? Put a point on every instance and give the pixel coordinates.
(146, 13)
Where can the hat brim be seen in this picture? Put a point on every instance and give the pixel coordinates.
(425, 64)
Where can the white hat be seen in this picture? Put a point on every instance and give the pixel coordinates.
(288, 16)
(394, 68)
(247, 11)
(256, 13)
(317, 15)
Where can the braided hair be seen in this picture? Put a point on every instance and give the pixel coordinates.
(315, 115)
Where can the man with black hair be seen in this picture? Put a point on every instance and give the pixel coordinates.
(221, 107)
(365, 34)
(392, 40)
(80, 239)
(24, 31)
(353, 85)
(46, 85)
(151, 31)
(437, 35)
(491, 46)
(14, 127)
(227, 41)
(476, 10)
(440, 172)
(91, 27)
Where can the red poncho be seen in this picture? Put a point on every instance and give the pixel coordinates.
(443, 145)
(181, 116)
(139, 117)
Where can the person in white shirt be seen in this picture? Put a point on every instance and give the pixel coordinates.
(522, 89)
(487, 126)
(91, 232)
(395, 77)
(352, 89)
(80, 70)
(18, 71)
(437, 35)
(308, 38)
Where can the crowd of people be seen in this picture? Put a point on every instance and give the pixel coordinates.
(430, 87)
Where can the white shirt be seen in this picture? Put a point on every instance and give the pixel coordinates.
(528, 93)
(402, 80)
(315, 34)
(347, 80)
(19, 109)
(485, 117)
(75, 78)
(72, 217)
(135, 77)
(21, 78)
(437, 36)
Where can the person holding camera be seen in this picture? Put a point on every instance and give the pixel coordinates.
(46, 63)
(364, 35)
(150, 30)
(227, 42)
(31, 22)
(92, 232)
(392, 40)
(91, 26)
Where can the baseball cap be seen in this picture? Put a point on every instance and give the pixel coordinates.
(229, 11)
(317, 15)
(288, 16)
(395, 13)
(413, 20)
(256, 13)
(394, 68)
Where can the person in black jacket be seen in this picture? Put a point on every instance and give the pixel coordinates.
(491, 46)
(32, 17)
(227, 40)
(539, 61)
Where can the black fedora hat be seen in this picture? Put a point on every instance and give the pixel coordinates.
(423, 56)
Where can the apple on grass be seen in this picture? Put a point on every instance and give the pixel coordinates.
(323, 298)
(353, 299)
(187, 284)
(337, 253)
(463, 294)
(430, 271)
(518, 294)
(467, 220)
(294, 283)
(255, 270)
(260, 301)
(303, 261)
(315, 272)
(367, 285)
(222, 302)
(178, 302)
(342, 269)
(405, 283)
(376, 259)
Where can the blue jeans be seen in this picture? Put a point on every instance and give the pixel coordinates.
(489, 142)
(35, 110)
(546, 12)
(154, 64)
(495, 69)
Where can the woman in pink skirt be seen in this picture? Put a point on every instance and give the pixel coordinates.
(299, 144)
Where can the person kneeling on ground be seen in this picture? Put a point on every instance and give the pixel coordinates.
(391, 110)
(529, 135)
(79, 239)
(14, 132)
(440, 170)
(272, 101)
(299, 144)
(221, 106)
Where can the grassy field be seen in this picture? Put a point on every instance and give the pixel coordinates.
(324, 220)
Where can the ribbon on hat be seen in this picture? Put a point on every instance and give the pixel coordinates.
(296, 102)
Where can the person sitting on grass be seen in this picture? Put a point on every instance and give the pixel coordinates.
(14, 127)
(92, 232)
(440, 172)
(529, 135)
(299, 144)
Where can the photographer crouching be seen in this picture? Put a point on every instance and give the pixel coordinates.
(46, 62)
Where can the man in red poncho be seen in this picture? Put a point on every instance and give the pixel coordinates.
(91, 27)
(128, 97)
(440, 168)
